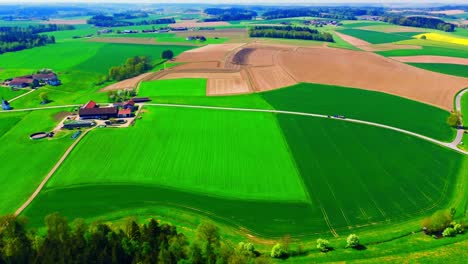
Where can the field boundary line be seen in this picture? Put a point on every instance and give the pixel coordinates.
(51, 173)
(19, 96)
(435, 141)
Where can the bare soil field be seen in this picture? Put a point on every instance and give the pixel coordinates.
(65, 21)
(194, 23)
(269, 78)
(127, 84)
(449, 12)
(366, 46)
(390, 29)
(200, 65)
(211, 52)
(431, 59)
(372, 72)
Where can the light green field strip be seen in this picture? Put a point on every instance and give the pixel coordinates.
(175, 87)
(219, 153)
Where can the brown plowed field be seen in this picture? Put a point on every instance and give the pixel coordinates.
(210, 52)
(269, 78)
(373, 72)
(390, 29)
(127, 84)
(65, 21)
(194, 23)
(431, 59)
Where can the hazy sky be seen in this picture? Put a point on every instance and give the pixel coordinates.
(241, 1)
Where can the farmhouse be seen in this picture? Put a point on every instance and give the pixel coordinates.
(92, 111)
(40, 78)
(21, 82)
(49, 78)
(90, 104)
(124, 113)
(5, 105)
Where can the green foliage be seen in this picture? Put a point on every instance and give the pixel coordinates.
(374, 37)
(455, 119)
(437, 222)
(167, 54)
(289, 32)
(132, 67)
(423, 37)
(352, 241)
(419, 21)
(449, 232)
(43, 96)
(120, 95)
(323, 245)
(279, 251)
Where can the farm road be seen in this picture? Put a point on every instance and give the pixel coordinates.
(49, 175)
(18, 97)
(452, 145)
(460, 131)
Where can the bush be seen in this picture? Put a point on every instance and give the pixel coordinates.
(323, 245)
(167, 55)
(279, 251)
(437, 222)
(352, 241)
(454, 119)
(449, 232)
(458, 228)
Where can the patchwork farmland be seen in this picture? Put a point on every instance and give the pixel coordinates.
(278, 142)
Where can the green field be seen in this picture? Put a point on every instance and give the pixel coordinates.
(196, 150)
(451, 69)
(428, 48)
(8, 93)
(176, 87)
(374, 37)
(364, 105)
(26, 162)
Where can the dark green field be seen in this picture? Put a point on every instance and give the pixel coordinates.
(374, 37)
(365, 105)
(428, 50)
(451, 69)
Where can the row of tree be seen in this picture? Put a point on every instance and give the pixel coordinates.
(229, 14)
(419, 21)
(151, 242)
(348, 13)
(132, 67)
(289, 32)
(20, 38)
(116, 21)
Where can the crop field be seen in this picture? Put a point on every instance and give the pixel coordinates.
(374, 37)
(444, 38)
(364, 105)
(180, 158)
(459, 51)
(25, 162)
(451, 69)
(232, 187)
(174, 87)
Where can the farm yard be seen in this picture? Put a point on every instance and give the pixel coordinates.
(273, 140)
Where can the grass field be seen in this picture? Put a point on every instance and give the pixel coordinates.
(176, 87)
(374, 37)
(451, 69)
(205, 151)
(450, 51)
(8, 93)
(25, 162)
(365, 105)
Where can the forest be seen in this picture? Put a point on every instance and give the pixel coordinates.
(131, 242)
(229, 14)
(289, 32)
(132, 67)
(115, 21)
(422, 22)
(348, 13)
(20, 38)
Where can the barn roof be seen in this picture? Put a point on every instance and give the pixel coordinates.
(98, 111)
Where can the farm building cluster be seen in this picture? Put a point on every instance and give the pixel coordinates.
(320, 23)
(91, 110)
(38, 79)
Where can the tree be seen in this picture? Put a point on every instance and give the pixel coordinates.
(209, 239)
(352, 241)
(449, 232)
(323, 245)
(44, 98)
(454, 119)
(167, 55)
(437, 222)
(278, 251)
(423, 37)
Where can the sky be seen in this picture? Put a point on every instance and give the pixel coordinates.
(242, 1)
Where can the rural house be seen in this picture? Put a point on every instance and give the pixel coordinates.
(48, 78)
(5, 104)
(21, 82)
(124, 113)
(92, 111)
(40, 78)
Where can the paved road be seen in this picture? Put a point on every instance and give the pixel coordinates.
(451, 145)
(458, 139)
(18, 97)
(49, 175)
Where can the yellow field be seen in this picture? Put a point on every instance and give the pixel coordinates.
(444, 38)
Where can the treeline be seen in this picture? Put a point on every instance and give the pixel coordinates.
(422, 22)
(20, 38)
(348, 13)
(132, 67)
(229, 14)
(289, 32)
(116, 21)
(150, 242)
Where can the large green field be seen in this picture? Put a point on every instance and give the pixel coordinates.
(26, 162)
(175, 87)
(8, 93)
(374, 37)
(428, 48)
(451, 69)
(208, 162)
(365, 105)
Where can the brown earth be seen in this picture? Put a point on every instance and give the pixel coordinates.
(390, 29)
(194, 23)
(211, 52)
(449, 12)
(65, 21)
(431, 59)
(128, 83)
